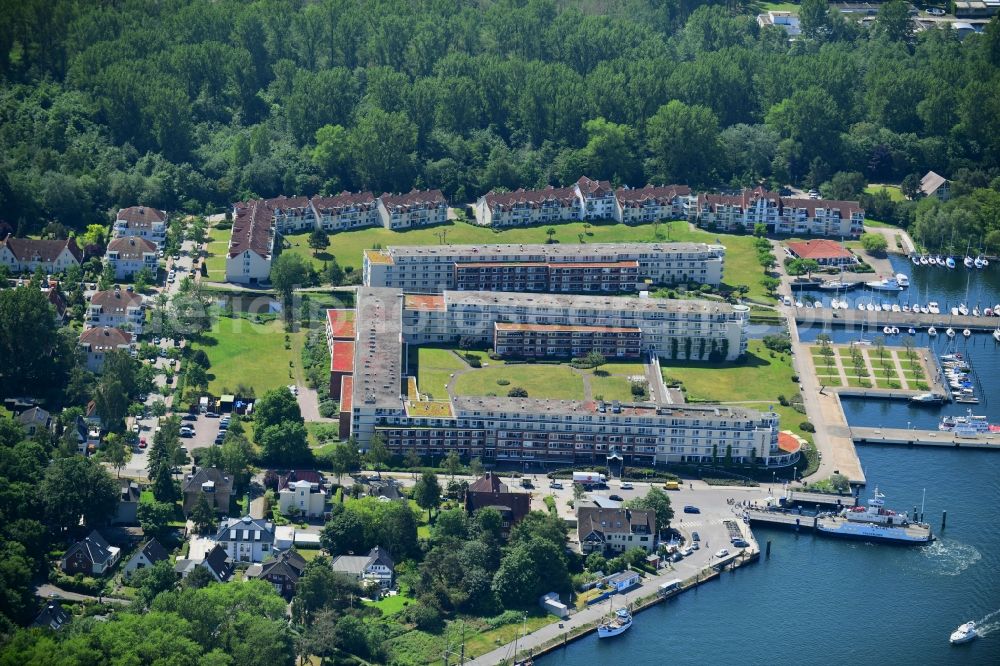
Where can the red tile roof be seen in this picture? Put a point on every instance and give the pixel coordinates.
(287, 203)
(253, 226)
(362, 200)
(27, 249)
(594, 188)
(819, 249)
(414, 199)
(661, 194)
(141, 216)
(105, 338)
(844, 208)
(342, 356)
(564, 196)
(116, 300)
(131, 247)
(788, 443)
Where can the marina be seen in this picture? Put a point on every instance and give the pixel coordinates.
(911, 437)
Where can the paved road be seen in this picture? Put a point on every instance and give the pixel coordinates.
(48, 591)
(309, 404)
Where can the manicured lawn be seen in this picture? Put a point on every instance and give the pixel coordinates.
(611, 388)
(392, 605)
(244, 353)
(556, 382)
(420, 647)
(779, 7)
(347, 246)
(895, 194)
(758, 377)
(434, 366)
(216, 249)
(623, 368)
(300, 245)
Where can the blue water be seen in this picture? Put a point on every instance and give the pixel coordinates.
(824, 601)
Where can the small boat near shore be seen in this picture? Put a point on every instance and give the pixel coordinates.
(617, 624)
(927, 399)
(874, 522)
(889, 284)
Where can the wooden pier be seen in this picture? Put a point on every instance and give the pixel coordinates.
(822, 499)
(911, 437)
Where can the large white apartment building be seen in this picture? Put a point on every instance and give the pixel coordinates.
(99, 342)
(252, 243)
(292, 215)
(785, 216)
(583, 268)
(417, 208)
(597, 199)
(130, 254)
(528, 429)
(675, 329)
(523, 208)
(347, 210)
(116, 308)
(141, 222)
(25, 255)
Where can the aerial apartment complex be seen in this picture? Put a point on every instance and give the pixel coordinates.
(587, 268)
(141, 222)
(781, 215)
(595, 200)
(378, 396)
(252, 243)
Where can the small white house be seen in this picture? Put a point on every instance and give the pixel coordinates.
(246, 539)
(625, 580)
(150, 553)
(376, 566)
(304, 498)
(129, 255)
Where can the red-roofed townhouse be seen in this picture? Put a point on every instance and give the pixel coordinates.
(97, 342)
(141, 222)
(417, 208)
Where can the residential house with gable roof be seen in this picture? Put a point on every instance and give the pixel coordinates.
(376, 566)
(216, 561)
(597, 199)
(151, 552)
(98, 342)
(615, 530)
(117, 308)
(127, 512)
(651, 203)
(127, 256)
(92, 556)
(347, 210)
(26, 255)
(282, 571)
(292, 214)
(522, 207)
(34, 420)
(252, 243)
(53, 616)
(785, 216)
(143, 222)
(416, 208)
(934, 185)
(211, 483)
(246, 539)
(488, 491)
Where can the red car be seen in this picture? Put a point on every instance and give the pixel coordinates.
(142, 442)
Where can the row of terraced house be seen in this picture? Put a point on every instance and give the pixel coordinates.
(590, 199)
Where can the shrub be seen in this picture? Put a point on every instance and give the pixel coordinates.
(517, 392)
(806, 426)
(782, 400)
(503, 382)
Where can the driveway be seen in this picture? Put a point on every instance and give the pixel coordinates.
(309, 404)
(48, 591)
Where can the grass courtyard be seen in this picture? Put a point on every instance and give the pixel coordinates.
(245, 353)
(216, 248)
(347, 246)
(756, 383)
(890, 369)
(434, 367)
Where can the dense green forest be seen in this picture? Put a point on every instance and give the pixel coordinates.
(192, 104)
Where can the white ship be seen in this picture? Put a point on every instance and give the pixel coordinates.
(617, 624)
(884, 285)
(963, 634)
(875, 523)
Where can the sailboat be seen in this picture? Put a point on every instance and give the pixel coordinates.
(618, 623)
(996, 334)
(950, 262)
(968, 262)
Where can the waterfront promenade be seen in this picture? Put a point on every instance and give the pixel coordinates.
(833, 436)
(912, 437)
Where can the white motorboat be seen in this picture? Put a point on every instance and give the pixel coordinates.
(896, 308)
(617, 624)
(968, 262)
(926, 310)
(895, 330)
(915, 259)
(878, 307)
(976, 312)
(870, 307)
(950, 332)
(932, 307)
(861, 306)
(996, 335)
(903, 280)
(906, 308)
(954, 312)
(966, 332)
(818, 304)
(996, 310)
(963, 634)
(932, 331)
(963, 310)
(924, 261)
(912, 331)
(988, 312)
(887, 330)
(941, 262)
(809, 305)
(889, 284)
(985, 262)
(979, 262)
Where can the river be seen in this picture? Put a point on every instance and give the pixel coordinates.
(823, 601)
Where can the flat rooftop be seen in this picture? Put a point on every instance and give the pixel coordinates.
(429, 409)
(341, 324)
(342, 356)
(585, 302)
(424, 302)
(569, 407)
(547, 328)
(542, 252)
(379, 348)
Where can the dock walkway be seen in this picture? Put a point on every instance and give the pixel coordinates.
(911, 437)
(903, 320)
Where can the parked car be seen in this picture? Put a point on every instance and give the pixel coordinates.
(691, 509)
(616, 498)
(211, 415)
(695, 546)
(687, 552)
(626, 485)
(189, 417)
(187, 433)
(555, 485)
(722, 553)
(740, 543)
(695, 536)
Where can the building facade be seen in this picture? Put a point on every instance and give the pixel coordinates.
(551, 341)
(116, 308)
(781, 215)
(252, 244)
(292, 215)
(246, 539)
(141, 222)
(100, 341)
(347, 210)
(652, 203)
(303, 498)
(523, 208)
(614, 531)
(554, 268)
(26, 255)
(597, 199)
(417, 208)
(129, 255)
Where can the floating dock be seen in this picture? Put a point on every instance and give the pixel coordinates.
(910, 437)
(902, 320)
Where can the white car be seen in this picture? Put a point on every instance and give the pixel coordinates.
(722, 553)
(627, 486)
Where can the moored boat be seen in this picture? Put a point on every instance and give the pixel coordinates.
(617, 624)
(932, 331)
(927, 399)
(889, 284)
(902, 279)
(950, 262)
(874, 522)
